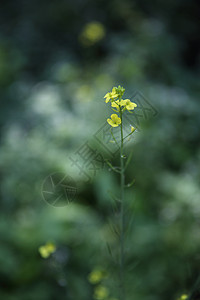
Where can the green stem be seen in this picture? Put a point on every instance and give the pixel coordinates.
(122, 180)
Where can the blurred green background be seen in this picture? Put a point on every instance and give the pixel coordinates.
(57, 61)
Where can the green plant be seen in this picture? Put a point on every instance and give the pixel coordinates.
(120, 106)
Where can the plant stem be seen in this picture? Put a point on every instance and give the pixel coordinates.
(122, 181)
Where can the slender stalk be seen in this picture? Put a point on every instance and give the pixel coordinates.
(122, 181)
(120, 106)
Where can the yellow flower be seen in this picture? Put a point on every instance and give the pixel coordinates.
(118, 103)
(117, 92)
(92, 33)
(111, 96)
(183, 297)
(123, 102)
(130, 105)
(96, 276)
(101, 292)
(132, 129)
(107, 96)
(115, 104)
(114, 121)
(46, 250)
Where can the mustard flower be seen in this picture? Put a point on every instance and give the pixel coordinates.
(96, 276)
(183, 297)
(92, 33)
(111, 96)
(101, 292)
(123, 102)
(132, 129)
(114, 121)
(117, 92)
(47, 249)
(118, 103)
(130, 105)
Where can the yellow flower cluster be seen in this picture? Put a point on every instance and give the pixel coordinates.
(101, 292)
(114, 94)
(47, 249)
(183, 297)
(118, 104)
(127, 104)
(96, 276)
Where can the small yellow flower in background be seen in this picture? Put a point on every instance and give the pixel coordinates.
(84, 93)
(114, 121)
(132, 129)
(96, 276)
(130, 105)
(101, 292)
(183, 297)
(92, 33)
(47, 249)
